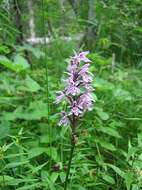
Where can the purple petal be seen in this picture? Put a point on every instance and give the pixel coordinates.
(75, 110)
(83, 53)
(84, 69)
(73, 90)
(60, 96)
(83, 57)
(86, 78)
(85, 101)
(65, 120)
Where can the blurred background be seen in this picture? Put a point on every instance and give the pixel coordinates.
(37, 38)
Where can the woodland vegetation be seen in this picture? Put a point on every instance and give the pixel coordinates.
(37, 38)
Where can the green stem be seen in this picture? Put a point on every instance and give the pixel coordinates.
(3, 180)
(46, 78)
(73, 142)
(69, 165)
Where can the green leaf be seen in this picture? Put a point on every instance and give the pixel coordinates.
(117, 170)
(110, 131)
(4, 49)
(54, 177)
(19, 60)
(36, 169)
(99, 160)
(62, 177)
(108, 146)
(4, 129)
(16, 164)
(105, 144)
(31, 85)
(5, 178)
(8, 180)
(29, 187)
(131, 152)
(35, 51)
(98, 59)
(16, 181)
(103, 85)
(139, 29)
(9, 64)
(129, 177)
(137, 164)
(103, 115)
(34, 152)
(122, 94)
(135, 187)
(81, 188)
(11, 116)
(47, 138)
(108, 179)
(19, 64)
(52, 152)
(35, 111)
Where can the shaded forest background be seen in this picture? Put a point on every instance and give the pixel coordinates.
(36, 39)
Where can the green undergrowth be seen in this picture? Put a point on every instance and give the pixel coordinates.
(108, 154)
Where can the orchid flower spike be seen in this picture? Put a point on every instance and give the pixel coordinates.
(78, 89)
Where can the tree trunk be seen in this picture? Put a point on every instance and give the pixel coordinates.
(18, 22)
(73, 4)
(89, 37)
(17, 9)
(31, 21)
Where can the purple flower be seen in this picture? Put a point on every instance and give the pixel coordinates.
(75, 60)
(86, 78)
(72, 68)
(78, 89)
(70, 80)
(84, 69)
(85, 101)
(75, 110)
(64, 120)
(73, 90)
(88, 87)
(83, 57)
(60, 96)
